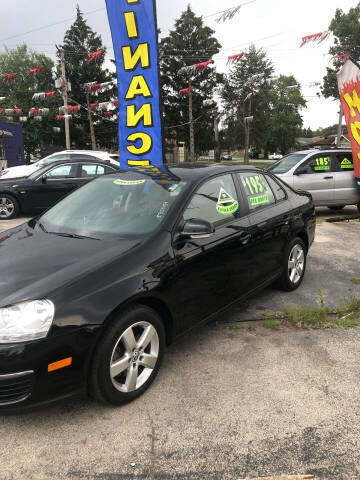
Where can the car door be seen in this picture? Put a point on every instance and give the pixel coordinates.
(212, 272)
(89, 171)
(345, 186)
(315, 176)
(51, 186)
(270, 218)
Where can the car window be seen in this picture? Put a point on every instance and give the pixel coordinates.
(257, 189)
(320, 163)
(286, 163)
(343, 162)
(92, 170)
(278, 191)
(215, 201)
(63, 171)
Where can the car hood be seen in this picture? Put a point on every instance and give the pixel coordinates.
(34, 263)
(16, 172)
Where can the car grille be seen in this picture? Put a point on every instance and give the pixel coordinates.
(15, 387)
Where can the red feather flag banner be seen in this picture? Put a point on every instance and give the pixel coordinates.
(94, 87)
(115, 103)
(315, 38)
(235, 58)
(50, 94)
(349, 89)
(62, 117)
(185, 91)
(43, 95)
(108, 113)
(13, 111)
(93, 106)
(2, 111)
(203, 65)
(95, 56)
(74, 109)
(36, 70)
(9, 77)
(33, 111)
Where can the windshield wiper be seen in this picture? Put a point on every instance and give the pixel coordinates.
(72, 235)
(61, 234)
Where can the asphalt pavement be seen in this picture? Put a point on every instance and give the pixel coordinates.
(229, 403)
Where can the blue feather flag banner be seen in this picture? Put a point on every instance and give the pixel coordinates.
(133, 27)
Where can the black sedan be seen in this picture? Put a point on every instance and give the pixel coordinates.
(47, 185)
(94, 289)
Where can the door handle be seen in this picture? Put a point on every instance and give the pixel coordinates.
(328, 178)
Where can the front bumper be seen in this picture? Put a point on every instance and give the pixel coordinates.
(25, 382)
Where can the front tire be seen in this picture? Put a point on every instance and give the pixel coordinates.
(294, 266)
(9, 207)
(128, 357)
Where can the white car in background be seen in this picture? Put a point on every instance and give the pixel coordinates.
(275, 156)
(328, 174)
(26, 170)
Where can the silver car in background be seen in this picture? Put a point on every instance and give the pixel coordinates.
(327, 174)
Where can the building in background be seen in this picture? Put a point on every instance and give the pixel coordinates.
(11, 144)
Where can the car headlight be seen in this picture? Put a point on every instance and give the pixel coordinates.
(26, 321)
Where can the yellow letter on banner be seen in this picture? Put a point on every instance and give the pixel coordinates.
(131, 25)
(146, 144)
(143, 114)
(138, 86)
(353, 102)
(355, 127)
(141, 55)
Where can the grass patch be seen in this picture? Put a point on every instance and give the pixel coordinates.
(355, 280)
(345, 316)
(272, 324)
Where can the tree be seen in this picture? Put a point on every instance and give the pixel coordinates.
(189, 43)
(239, 84)
(284, 121)
(346, 30)
(19, 94)
(79, 40)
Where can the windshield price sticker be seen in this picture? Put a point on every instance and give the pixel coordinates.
(226, 204)
(346, 163)
(128, 182)
(322, 164)
(259, 200)
(254, 184)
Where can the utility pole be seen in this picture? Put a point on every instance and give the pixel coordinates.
(247, 122)
(217, 139)
(339, 134)
(191, 123)
(65, 97)
(91, 123)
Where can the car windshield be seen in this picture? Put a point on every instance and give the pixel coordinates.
(287, 163)
(126, 204)
(38, 172)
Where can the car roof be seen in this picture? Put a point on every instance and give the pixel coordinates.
(322, 150)
(194, 172)
(79, 160)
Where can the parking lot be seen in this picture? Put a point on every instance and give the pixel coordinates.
(228, 403)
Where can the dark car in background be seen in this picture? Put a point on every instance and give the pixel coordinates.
(47, 185)
(98, 285)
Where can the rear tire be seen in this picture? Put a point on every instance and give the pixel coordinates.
(294, 266)
(337, 208)
(9, 207)
(128, 356)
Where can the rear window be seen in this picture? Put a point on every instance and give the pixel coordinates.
(257, 189)
(286, 163)
(344, 162)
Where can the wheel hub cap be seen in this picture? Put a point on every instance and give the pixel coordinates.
(134, 357)
(296, 263)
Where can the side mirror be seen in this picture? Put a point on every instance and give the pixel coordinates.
(196, 228)
(44, 179)
(301, 171)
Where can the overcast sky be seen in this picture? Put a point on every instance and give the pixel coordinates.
(275, 25)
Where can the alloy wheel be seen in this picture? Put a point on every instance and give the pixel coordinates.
(134, 357)
(7, 207)
(296, 263)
